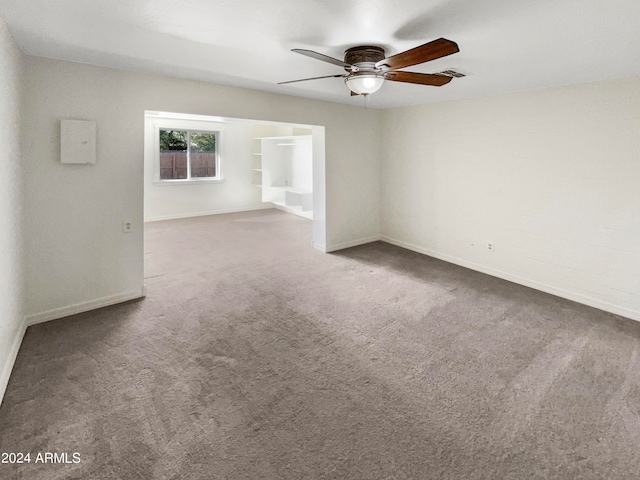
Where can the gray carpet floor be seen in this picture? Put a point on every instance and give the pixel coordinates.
(256, 357)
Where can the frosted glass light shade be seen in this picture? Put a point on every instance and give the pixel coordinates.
(364, 84)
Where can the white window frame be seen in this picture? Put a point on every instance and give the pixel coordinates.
(181, 181)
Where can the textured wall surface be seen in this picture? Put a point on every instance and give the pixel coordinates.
(11, 278)
(549, 176)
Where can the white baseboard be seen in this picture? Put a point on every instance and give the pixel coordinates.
(204, 214)
(61, 312)
(11, 360)
(573, 296)
(353, 243)
(319, 246)
(54, 314)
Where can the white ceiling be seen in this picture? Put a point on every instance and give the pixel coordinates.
(505, 45)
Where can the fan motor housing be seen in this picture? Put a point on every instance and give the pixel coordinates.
(364, 54)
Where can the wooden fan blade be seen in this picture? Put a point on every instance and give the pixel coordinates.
(320, 56)
(419, 78)
(424, 53)
(312, 78)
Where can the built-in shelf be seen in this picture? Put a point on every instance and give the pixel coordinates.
(256, 165)
(285, 169)
(298, 191)
(294, 197)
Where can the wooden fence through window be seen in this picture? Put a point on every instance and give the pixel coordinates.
(173, 164)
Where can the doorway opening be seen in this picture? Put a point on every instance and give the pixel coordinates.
(196, 165)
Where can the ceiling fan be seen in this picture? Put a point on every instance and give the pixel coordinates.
(367, 67)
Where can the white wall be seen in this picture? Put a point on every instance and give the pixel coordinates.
(552, 177)
(163, 200)
(11, 237)
(78, 257)
(302, 166)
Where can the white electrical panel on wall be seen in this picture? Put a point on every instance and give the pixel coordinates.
(77, 141)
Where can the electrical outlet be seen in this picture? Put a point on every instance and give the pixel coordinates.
(491, 247)
(127, 226)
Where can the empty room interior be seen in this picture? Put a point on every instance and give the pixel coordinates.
(351, 240)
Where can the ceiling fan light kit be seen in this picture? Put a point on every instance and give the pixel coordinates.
(367, 67)
(364, 84)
